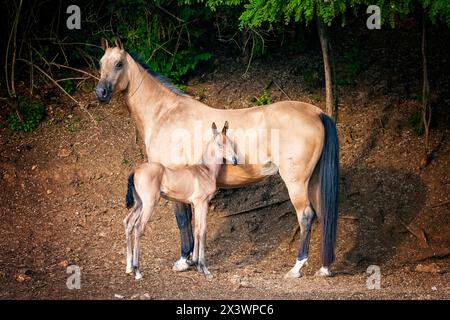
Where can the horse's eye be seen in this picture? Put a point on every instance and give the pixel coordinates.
(119, 65)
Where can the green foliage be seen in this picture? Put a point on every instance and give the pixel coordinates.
(68, 85)
(438, 10)
(395, 10)
(32, 113)
(258, 12)
(415, 122)
(315, 99)
(167, 42)
(264, 99)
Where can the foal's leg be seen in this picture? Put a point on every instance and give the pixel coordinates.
(129, 223)
(147, 211)
(183, 214)
(200, 212)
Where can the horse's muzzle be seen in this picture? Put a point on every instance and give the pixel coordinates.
(103, 92)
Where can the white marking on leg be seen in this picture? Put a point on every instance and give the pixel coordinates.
(137, 274)
(295, 272)
(181, 265)
(323, 272)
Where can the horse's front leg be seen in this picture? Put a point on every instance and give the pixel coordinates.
(183, 214)
(200, 211)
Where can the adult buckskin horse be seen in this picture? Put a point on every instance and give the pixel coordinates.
(307, 154)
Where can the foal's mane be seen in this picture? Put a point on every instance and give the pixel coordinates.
(163, 80)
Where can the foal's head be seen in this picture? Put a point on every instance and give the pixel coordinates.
(113, 71)
(221, 148)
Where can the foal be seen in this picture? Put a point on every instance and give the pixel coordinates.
(195, 184)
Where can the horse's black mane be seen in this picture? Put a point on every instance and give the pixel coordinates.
(163, 80)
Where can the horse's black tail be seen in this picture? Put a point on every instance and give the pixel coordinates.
(328, 170)
(129, 199)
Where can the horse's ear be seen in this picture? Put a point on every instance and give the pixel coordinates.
(119, 43)
(104, 44)
(214, 128)
(225, 128)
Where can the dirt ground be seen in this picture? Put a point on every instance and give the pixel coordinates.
(63, 187)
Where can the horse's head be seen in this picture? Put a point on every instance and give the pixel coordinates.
(113, 71)
(222, 146)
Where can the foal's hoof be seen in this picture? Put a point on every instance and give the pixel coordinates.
(292, 274)
(202, 269)
(129, 269)
(180, 265)
(137, 275)
(323, 272)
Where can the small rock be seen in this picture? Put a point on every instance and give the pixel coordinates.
(102, 234)
(33, 167)
(63, 153)
(434, 288)
(118, 296)
(49, 191)
(245, 284)
(135, 296)
(429, 268)
(64, 263)
(145, 296)
(9, 172)
(240, 282)
(22, 277)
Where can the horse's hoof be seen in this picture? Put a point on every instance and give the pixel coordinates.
(323, 272)
(137, 275)
(129, 270)
(292, 274)
(209, 275)
(180, 265)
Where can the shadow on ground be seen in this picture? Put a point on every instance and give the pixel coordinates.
(375, 206)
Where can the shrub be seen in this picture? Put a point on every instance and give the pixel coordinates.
(32, 112)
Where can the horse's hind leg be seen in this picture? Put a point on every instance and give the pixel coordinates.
(305, 218)
(298, 193)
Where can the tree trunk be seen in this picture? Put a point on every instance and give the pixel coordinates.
(426, 107)
(331, 100)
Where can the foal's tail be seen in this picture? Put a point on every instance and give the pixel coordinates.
(129, 199)
(328, 174)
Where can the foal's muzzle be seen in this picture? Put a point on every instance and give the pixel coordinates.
(103, 92)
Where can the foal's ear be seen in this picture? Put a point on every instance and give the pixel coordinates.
(119, 43)
(104, 44)
(214, 128)
(225, 128)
